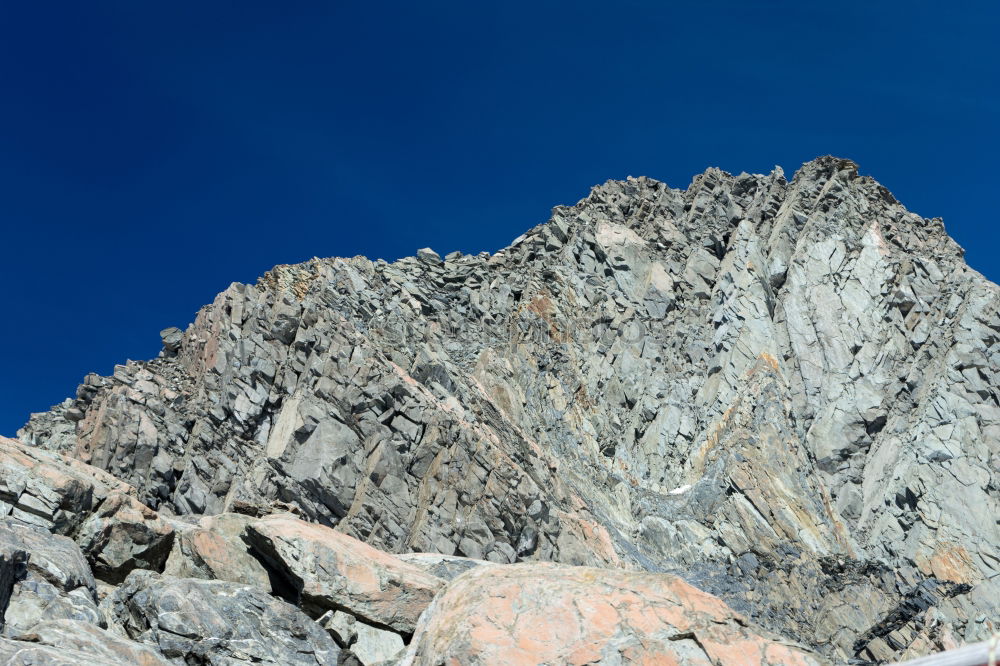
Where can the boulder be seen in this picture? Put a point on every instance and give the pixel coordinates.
(553, 614)
(53, 581)
(332, 571)
(369, 645)
(122, 535)
(216, 622)
(214, 550)
(172, 338)
(75, 642)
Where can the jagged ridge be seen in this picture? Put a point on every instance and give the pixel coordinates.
(735, 382)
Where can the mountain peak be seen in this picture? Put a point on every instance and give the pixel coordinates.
(785, 392)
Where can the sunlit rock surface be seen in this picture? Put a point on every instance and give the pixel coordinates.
(784, 393)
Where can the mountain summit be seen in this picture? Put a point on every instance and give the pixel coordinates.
(784, 394)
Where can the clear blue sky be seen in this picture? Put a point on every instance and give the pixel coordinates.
(153, 152)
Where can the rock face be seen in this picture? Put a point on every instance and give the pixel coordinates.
(331, 571)
(75, 642)
(40, 488)
(786, 393)
(551, 614)
(56, 581)
(216, 622)
(214, 550)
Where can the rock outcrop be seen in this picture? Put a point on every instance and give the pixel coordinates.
(58, 642)
(551, 614)
(54, 580)
(787, 394)
(330, 571)
(216, 622)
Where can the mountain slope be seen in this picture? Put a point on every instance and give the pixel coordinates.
(785, 392)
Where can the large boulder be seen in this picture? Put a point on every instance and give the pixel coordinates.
(216, 622)
(332, 571)
(551, 614)
(54, 580)
(124, 534)
(47, 489)
(73, 642)
(214, 550)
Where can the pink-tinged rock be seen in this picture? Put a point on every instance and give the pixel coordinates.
(553, 614)
(49, 490)
(74, 642)
(215, 550)
(333, 571)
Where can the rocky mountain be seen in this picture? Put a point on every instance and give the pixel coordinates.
(754, 417)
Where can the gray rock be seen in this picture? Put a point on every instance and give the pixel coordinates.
(123, 535)
(33, 600)
(75, 642)
(172, 338)
(376, 646)
(46, 489)
(445, 567)
(216, 622)
(13, 564)
(214, 550)
(53, 581)
(341, 626)
(29, 653)
(332, 571)
(367, 644)
(429, 256)
(748, 381)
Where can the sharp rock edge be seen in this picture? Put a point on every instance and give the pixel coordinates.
(784, 393)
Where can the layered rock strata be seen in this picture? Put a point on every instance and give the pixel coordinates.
(786, 393)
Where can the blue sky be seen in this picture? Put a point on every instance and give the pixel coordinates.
(152, 153)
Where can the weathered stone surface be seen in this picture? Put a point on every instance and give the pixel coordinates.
(551, 614)
(215, 550)
(122, 535)
(75, 642)
(329, 571)
(27, 653)
(49, 490)
(216, 622)
(54, 580)
(376, 646)
(365, 643)
(13, 564)
(446, 567)
(172, 338)
(784, 391)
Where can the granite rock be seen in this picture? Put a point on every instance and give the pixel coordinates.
(214, 549)
(328, 570)
(123, 535)
(216, 622)
(552, 614)
(785, 392)
(75, 642)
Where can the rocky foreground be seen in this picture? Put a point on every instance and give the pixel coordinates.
(234, 588)
(756, 421)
